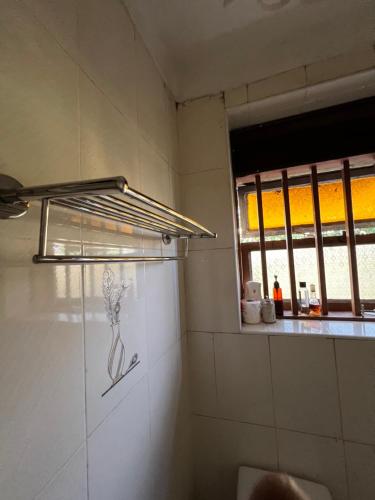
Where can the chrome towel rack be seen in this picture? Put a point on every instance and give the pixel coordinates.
(109, 198)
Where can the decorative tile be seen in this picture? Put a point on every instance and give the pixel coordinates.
(115, 335)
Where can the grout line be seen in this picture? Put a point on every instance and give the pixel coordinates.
(209, 249)
(341, 419)
(205, 171)
(85, 375)
(215, 371)
(83, 305)
(116, 406)
(274, 405)
(286, 429)
(59, 470)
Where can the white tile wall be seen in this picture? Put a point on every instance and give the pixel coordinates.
(243, 374)
(356, 368)
(208, 198)
(107, 51)
(202, 135)
(81, 98)
(70, 482)
(41, 362)
(220, 447)
(161, 309)
(108, 139)
(118, 451)
(202, 373)
(165, 392)
(38, 101)
(211, 291)
(153, 112)
(315, 458)
(60, 19)
(305, 385)
(361, 465)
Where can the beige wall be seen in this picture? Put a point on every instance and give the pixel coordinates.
(80, 98)
(303, 405)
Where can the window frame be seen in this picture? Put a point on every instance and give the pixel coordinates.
(348, 238)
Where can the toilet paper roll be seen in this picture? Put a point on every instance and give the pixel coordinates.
(251, 311)
(253, 290)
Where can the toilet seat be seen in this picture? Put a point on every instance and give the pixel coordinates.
(248, 477)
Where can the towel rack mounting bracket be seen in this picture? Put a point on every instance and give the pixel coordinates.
(10, 208)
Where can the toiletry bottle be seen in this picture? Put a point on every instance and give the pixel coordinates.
(314, 304)
(278, 299)
(268, 310)
(303, 298)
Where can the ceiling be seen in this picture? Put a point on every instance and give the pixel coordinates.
(205, 46)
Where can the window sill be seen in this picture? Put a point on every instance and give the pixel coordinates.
(319, 328)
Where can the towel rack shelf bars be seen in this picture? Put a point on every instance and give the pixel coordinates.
(110, 198)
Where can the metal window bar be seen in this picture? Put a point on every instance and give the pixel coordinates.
(319, 239)
(289, 242)
(262, 243)
(349, 238)
(101, 198)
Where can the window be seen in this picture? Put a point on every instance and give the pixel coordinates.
(315, 224)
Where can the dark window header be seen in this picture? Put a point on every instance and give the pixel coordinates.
(317, 136)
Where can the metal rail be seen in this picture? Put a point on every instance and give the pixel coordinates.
(109, 198)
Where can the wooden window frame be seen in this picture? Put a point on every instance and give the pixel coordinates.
(348, 239)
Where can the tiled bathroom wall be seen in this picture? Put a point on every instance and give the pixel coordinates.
(80, 98)
(301, 405)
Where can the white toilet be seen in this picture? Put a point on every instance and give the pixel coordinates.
(248, 477)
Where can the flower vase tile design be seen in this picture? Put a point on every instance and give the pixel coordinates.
(115, 335)
(113, 295)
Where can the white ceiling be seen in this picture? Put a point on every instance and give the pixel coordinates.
(205, 46)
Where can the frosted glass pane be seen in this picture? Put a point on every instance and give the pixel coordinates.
(336, 267)
(366, 271)
(277, 263)
(337, 272)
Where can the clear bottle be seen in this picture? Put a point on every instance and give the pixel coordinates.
(303, 298)
(314, 304)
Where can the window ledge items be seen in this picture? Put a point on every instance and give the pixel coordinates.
(110, 198)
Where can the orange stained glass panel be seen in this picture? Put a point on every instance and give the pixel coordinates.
(331, 204)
